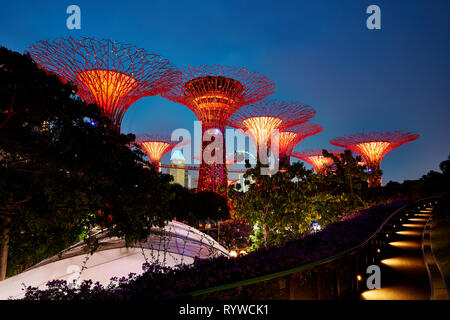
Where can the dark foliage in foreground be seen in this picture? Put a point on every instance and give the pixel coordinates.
(160, 283)
(65, 170)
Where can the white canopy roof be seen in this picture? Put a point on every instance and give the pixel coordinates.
(172, 245)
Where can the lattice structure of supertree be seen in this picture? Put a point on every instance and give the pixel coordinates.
(108, 73)
(156, 146)
(373, 147)
(228, 162)
(289, 138)
(319, 162)
(261, 119)
(214, 93)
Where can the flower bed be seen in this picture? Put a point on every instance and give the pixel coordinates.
(159, 282)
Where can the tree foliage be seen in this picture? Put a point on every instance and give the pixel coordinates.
(63, 170)
(285, 204)
(190, 207)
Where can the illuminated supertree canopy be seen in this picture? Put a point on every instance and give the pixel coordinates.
(259, 120)
(289, 138)
(156, 146)
(108, 73)
(214, 93)
(319, 162)
(373, 147)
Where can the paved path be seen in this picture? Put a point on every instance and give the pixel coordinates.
(403, 272)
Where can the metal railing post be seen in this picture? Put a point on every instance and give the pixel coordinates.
(291, 287)
(318, 284)
(337, 284)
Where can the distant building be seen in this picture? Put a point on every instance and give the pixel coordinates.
(180, 176)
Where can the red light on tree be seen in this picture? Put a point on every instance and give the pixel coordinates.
(319, 162)
(108, 73)
(229, 162)
(214, 93)
(259, 120)
(373, 147)
(289, 138)
(156, 146)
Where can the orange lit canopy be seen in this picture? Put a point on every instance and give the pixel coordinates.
(214, 93)
(214, 99)
(155, 150)
(372, 152)
(156, 146)
(319, 162)
(108, 88)
(288, 139)
(316, 159)
(260, 120)
(261, 128)
(109, 73)
(373, 147)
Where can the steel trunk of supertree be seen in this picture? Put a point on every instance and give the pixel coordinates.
(213, 97)
(214, 93)
(373, 146)
(108, 73)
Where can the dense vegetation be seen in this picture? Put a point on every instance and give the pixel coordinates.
(284, 205)
(162, 282)
(64, 170)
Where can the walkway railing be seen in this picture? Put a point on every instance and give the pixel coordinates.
(341, 276)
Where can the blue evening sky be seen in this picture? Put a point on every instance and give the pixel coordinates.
(318, 52)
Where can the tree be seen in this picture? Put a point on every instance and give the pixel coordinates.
(191, 207)
(285, 204)
(277, 203)
(445, 166)
(64, 170)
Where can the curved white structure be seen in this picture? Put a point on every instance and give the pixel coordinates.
(172, 245)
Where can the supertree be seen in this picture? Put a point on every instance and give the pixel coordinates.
(259, 120)
(289, 138)
(319, 162)
(214, 93)
(156, 146)
(373, 147)
(108, 73)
